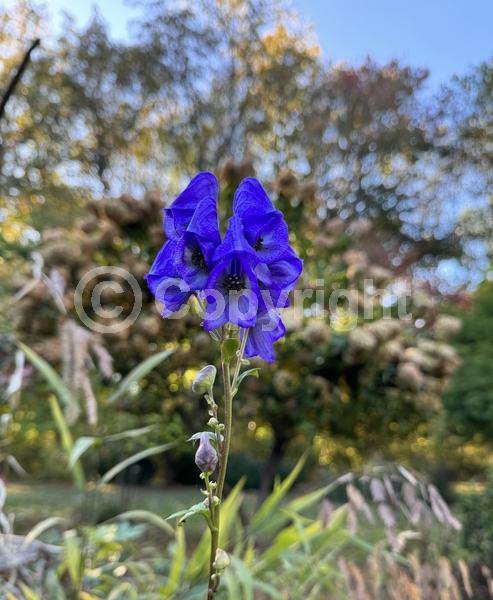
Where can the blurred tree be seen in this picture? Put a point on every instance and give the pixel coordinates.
(375, 149)
(469, 400)
(241, 83)
(249, 89)
(346, 380)
(198, 84)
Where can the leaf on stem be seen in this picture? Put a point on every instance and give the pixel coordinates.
(211, 434)
(201, 508)
(230, 348)
(250, 372)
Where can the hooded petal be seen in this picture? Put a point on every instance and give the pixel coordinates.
(282, 273)
(204, 223)
(251, 199)
(195, 248)
(234, 243)
(260, 342)
(163, 280)
(172, 292)
(163, 264)
(267, 234)
(179, 215)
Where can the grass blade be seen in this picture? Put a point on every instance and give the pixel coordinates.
(80, 447)
(51, 377)
(67, 441)
(127, 462)
(149, 517)
(262, 516)
(177, 564)
(139, 373)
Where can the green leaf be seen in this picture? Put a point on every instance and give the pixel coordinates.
(253, 372)
(51, 377)
(229, 513)
(211, 434)
(177, 565)
(73, 557)
(67, 441)
(279, 518)
(29, 594)
(230, 347)
(130, 433)
(249, 372)
(241, 573)
(81, 446)
(120, 591)
(54, 589)
(201, 508)
(296, 535)
(149, 517)
(43, 526)
(139, 373)
(262, 516)
(127, 462)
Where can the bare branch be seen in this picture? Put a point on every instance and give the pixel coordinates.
(17, 77)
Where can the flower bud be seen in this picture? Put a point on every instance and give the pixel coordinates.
(204, 380)
(221, 561)
(206, 456)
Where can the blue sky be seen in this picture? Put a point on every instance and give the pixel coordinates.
(446, 36)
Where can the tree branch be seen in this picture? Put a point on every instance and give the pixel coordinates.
(17, 77)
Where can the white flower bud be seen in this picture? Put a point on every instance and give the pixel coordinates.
(204, 380)
(221, 561)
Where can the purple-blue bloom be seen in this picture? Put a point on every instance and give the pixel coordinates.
(265, 228)
(179, 215)
(268, 329)
(244, 278)
(183, 263)
(232, 289)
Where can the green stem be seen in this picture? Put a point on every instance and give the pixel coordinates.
(67, 441)
(229, 387)
(241, 352)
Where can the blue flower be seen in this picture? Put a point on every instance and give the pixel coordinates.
(183, 263)
(232, 293)
(265, 228)
(278, 265)
(244, 278)
(261, 337)
(164, 283)
(182, 210)
(195, 249)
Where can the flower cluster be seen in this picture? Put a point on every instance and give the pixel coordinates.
(243, 278)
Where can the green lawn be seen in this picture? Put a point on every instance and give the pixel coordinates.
(32, 503)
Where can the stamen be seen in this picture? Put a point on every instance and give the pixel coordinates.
(198, 259)
(234, 282)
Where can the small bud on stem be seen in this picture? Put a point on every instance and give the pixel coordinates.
(204, 380)
(206, 456)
